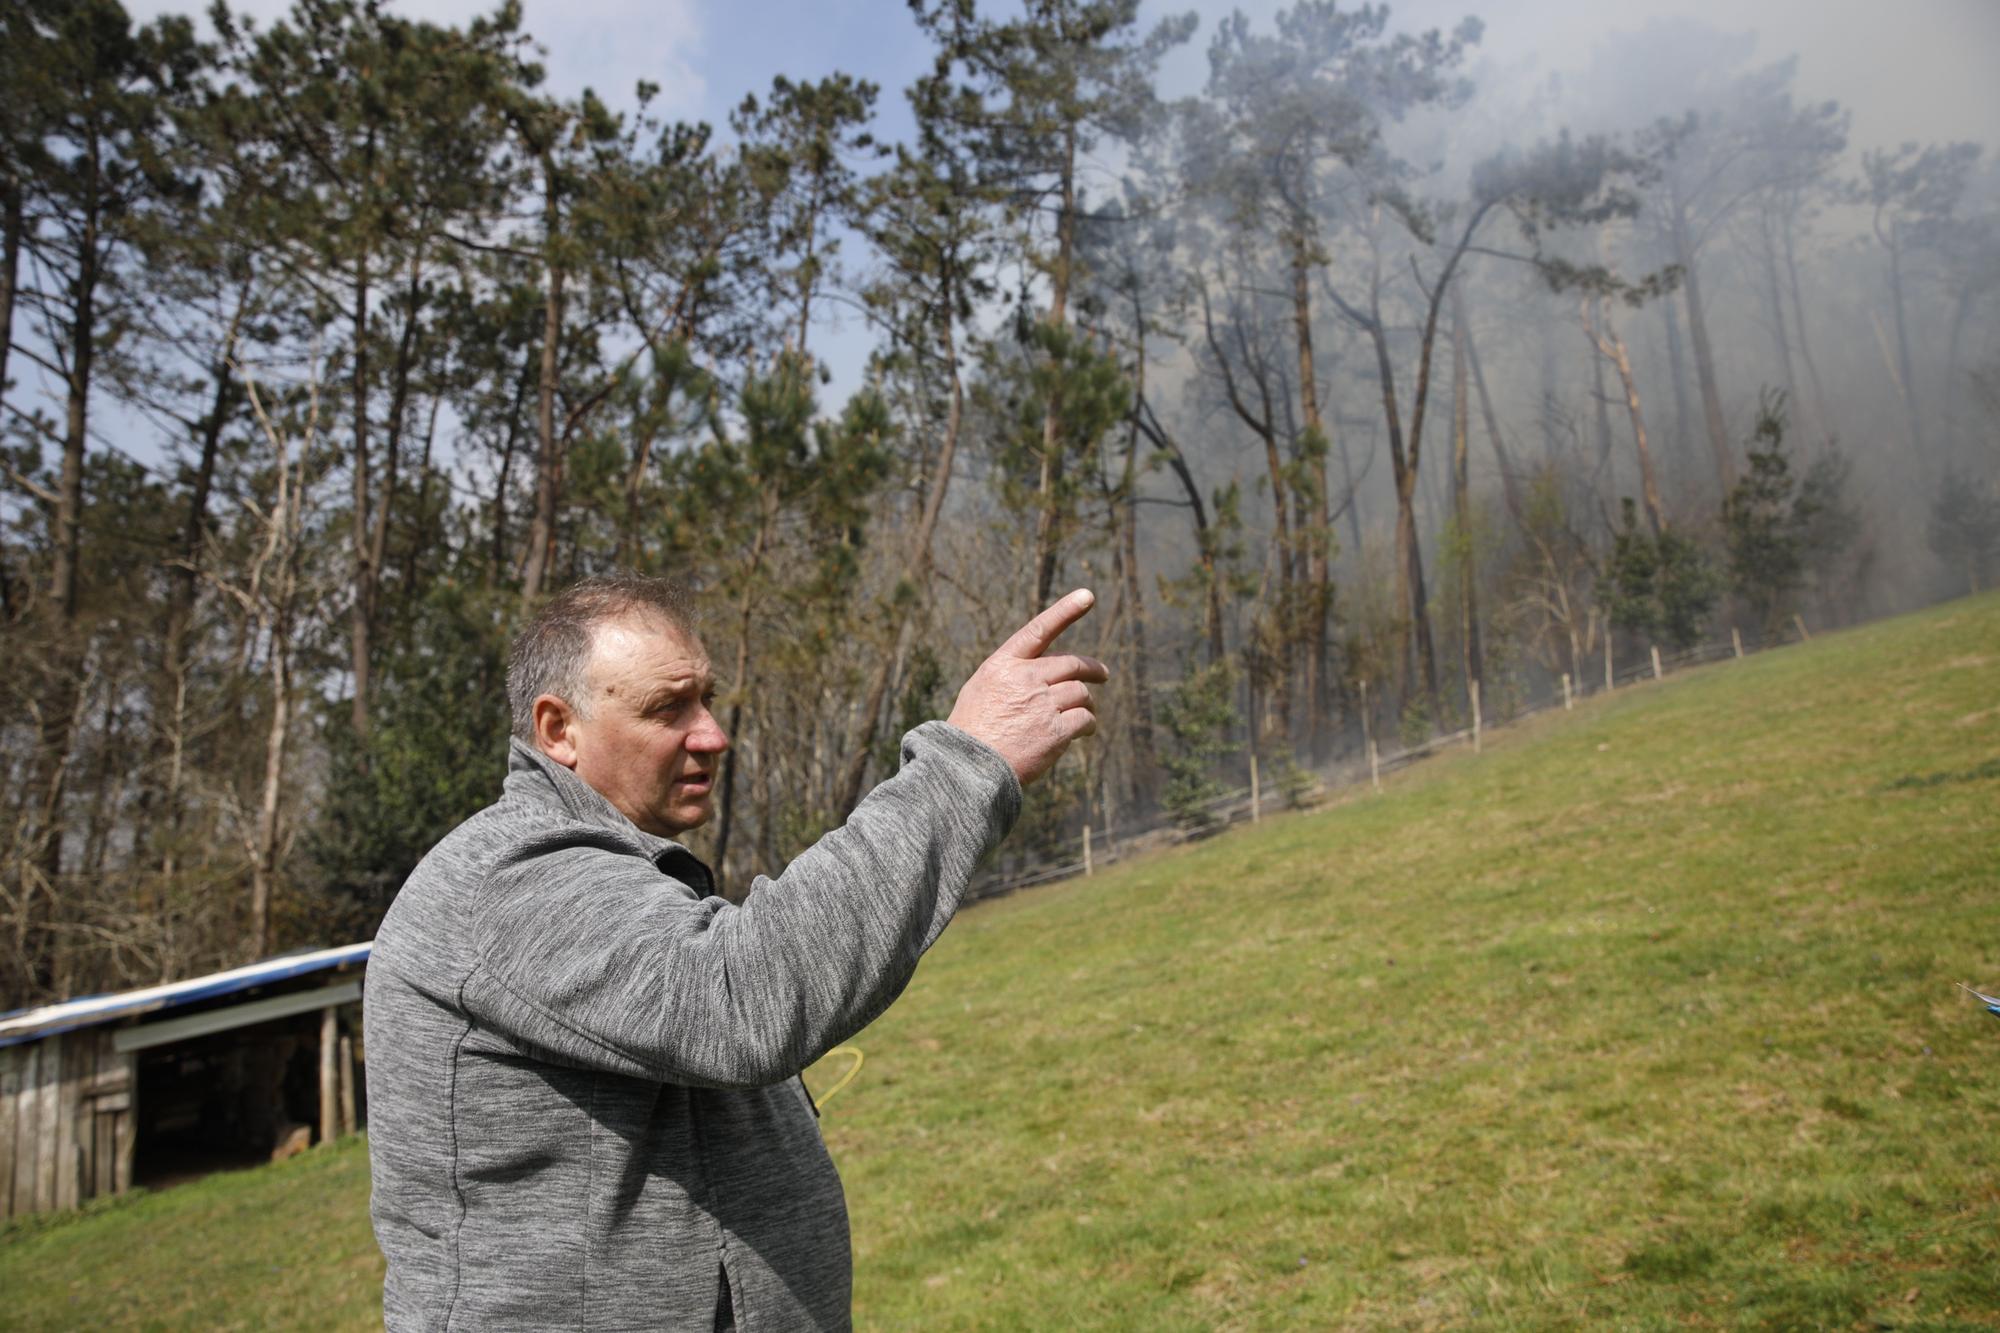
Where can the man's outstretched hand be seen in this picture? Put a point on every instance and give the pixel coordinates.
(1027, 706)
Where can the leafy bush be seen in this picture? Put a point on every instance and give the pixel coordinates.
(1659, 587)
(1765, 522)
(1965, 528)
(436, 752)
(1197, 714)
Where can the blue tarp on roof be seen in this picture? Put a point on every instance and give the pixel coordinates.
(32, 1024)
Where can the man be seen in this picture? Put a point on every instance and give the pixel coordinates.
(584, 1103)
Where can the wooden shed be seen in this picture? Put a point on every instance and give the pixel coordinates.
(151, 1085)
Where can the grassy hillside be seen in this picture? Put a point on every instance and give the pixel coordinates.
(1643, 1018)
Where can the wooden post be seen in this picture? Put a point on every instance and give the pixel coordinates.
(1657, 673)
(329, 1079)
(48, 1095)
(1374, 766)
(1736, 640)
(1086, 849)
(1609, 683)
(1475, 716)
(127, 1131)
(106, 1103)
(1256, 792)
(1568, 702)
(349, 1120)
(27, 1125)
(27, 1103)
(10, 1121)
(1800, 621)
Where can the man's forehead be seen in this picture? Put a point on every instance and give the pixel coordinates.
(644, 647)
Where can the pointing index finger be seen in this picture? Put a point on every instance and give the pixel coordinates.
(1034, 638)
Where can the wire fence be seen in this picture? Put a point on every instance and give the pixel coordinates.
(1102, 844)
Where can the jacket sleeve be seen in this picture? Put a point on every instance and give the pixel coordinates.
(590, 955)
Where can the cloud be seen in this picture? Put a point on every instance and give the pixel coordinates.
(610, 45)
(606, 45)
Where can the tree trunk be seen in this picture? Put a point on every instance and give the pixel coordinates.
(1353, 505)
(1805, 338)
(548, 463)
(1704, 354)
(1612, 348)
(56, 736)
(627, 552)
(1510, 482)
(498, 563)
(1417, 607)
(1048, 535)
(65, 576)
(806, 271)
(917, 569)
(1205, 538)
(392, 443)
(1909, 383)
(1404, 478)
(170, 745)
(423, 531)
(1774, 297)
(739, 687)
(1677, 370)
(1468, 601)
(264, 868)
(1319, 534)
(1602, 402)
(10, 263)
(361, 613)
(1261, 425)
(1552, 413)
(1141, 728)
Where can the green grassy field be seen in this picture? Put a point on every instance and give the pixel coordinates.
(1645, 1017)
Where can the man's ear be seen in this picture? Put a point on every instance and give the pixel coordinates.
(555, 729)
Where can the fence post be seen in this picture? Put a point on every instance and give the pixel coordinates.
(329, 1078)
(1256, 792)
(1566, 695)
(1657, 673)
(1610, 683)
(1800, 621)
(1736, 640)
(1374, 765)
(1475, 715)
(349, 1124)
(1086, 849)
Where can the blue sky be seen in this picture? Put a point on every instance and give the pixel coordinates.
(1922, 70)
(1919, 69)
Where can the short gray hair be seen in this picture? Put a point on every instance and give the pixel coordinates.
(551, 654)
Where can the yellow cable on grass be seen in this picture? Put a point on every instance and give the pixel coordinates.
(846, 1078)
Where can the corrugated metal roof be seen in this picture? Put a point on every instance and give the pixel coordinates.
(30, 1024)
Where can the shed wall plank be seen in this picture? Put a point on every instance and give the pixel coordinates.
(103, 1153)
(111, 1085)
(127, 1133)
(27, 1108)
(79, 1055)
(48, 1120)
(97, 1169)
(10, 1116)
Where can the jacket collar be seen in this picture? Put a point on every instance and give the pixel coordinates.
(534, 775)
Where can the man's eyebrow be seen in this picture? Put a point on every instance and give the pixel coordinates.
(681, 687)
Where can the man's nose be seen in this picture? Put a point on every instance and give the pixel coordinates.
(708, 737)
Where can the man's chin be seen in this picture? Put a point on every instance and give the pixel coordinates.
(687, 816)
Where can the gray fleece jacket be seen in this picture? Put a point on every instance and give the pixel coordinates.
(582, 1095)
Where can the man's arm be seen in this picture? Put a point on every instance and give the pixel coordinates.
(587, 956)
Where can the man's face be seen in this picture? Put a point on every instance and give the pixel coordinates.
(649, 744)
